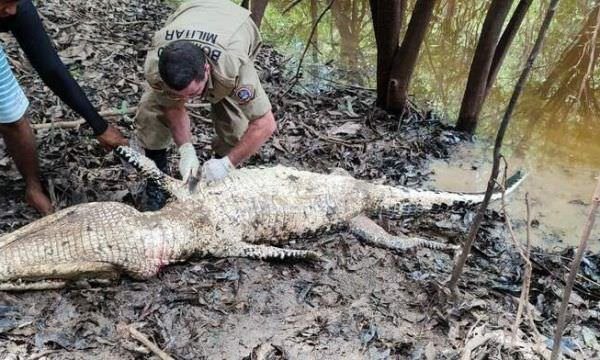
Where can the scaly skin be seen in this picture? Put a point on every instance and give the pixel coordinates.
(233, 217)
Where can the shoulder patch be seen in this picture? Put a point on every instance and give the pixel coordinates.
(243, 94)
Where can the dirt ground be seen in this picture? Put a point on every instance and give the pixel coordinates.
(364, 303)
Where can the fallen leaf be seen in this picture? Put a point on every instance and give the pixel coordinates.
(348, 128)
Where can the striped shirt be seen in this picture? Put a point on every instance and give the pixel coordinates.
(13, 102)
(27, 28)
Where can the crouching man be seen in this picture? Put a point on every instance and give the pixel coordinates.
(206, 49)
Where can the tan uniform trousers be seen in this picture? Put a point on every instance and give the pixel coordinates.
(229, 120)
(153, 132)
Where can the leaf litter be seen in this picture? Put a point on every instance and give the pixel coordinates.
(365, 303)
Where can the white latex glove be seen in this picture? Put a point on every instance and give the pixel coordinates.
(216, 169)
(188, 161)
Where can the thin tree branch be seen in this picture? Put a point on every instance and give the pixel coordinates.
(108, 113)
(312, 33)
(134, 333)
(524, 298)
(77, 123)
(529, 308)
(573, 272)
(458, 269)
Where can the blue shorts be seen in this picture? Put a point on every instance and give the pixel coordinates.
(13, 102)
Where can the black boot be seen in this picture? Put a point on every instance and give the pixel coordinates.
(156, 198)
(159, 157)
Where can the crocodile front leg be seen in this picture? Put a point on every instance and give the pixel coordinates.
(243, 249)
(33, 286)
(371, 233)
(69, 273)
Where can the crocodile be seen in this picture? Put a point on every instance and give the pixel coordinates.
(247, 215)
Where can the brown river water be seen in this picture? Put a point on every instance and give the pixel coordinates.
(555, 139)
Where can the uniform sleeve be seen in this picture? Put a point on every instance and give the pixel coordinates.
(29, 32)
(249, 93)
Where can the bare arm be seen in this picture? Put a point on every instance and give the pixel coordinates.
(258, 132)
(27, 28)
(179, 124)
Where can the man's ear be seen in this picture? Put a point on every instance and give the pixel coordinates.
(206, 68)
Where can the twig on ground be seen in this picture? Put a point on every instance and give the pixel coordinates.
(134, 333)
(466, 249)
(585, 278)
(108, 113)
(133, 22)
(101, 41)
(591, 293)
(77, 123)
(42, 354)
(573, 271)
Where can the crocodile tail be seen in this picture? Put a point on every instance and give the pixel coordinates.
(406, 200)
(512, 183)
(148, 169)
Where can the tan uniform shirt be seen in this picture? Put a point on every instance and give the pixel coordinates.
(229, 39)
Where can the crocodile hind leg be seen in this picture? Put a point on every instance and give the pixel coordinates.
(371, 233)
(265, 252)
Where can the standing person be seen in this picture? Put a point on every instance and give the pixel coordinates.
(21, 18)
(206, 49)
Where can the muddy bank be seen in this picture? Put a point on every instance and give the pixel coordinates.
(363, 303)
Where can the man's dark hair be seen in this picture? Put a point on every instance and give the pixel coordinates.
(180, 63)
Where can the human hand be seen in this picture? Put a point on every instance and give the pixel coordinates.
(188, 161)
(216, 169)
(111, 138)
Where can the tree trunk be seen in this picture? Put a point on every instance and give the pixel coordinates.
(257, 7)
(342, 17)
(405, 59)
(480, 67)
(506, 40)
(314, 14)
(387, 22)
(492, 182)
(349, 17)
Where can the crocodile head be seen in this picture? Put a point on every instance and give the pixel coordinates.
(148, 169)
